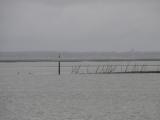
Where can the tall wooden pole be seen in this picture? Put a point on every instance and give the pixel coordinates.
(59, 65)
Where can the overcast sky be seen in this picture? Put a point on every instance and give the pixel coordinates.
(79, 25)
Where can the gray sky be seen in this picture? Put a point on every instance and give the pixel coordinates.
(79, 25)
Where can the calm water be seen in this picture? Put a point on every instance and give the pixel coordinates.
(34, 91)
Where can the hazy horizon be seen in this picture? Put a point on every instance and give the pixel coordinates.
(52, 51)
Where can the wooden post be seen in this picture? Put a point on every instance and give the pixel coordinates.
(59, 65)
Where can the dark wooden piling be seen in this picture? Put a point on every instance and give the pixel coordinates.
(59, 66)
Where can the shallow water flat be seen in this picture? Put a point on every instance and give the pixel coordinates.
(26, 94)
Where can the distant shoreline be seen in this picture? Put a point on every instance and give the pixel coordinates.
(78, 60)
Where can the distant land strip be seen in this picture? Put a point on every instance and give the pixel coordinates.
(78, 60)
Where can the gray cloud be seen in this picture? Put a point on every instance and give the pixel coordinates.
(71, 2)
(79, 25)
